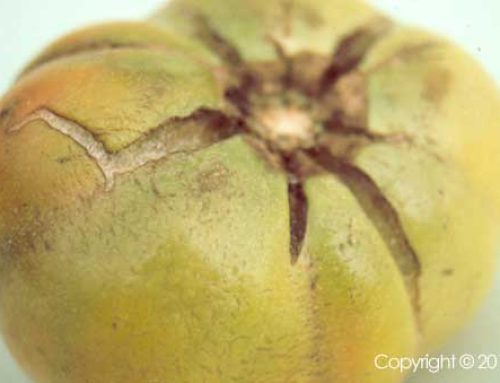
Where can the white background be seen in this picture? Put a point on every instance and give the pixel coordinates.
(27, 25)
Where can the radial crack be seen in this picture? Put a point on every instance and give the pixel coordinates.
(226, 51)
(177, 135)
(403, 54)
(298, 207)
(238, 98)
(346, 141)
(298, 218)
(351, 51)
(336, 127)
(287, 76)
(381, 213)
(338, 133)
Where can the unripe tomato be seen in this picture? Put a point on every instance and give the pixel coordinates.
(244, 191)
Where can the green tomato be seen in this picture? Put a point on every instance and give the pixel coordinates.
(244, 191)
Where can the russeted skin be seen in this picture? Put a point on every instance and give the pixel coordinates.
(181, 271)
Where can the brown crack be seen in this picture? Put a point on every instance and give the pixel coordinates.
(298, 218)
(351, 51)
(237, 96)
(381, 213)
(237, 78)
(346, 103)
(286, 76)
(226, 51)
(298, 206)
(346, 141)
(353, 138)
(307, 69)
(176, 135)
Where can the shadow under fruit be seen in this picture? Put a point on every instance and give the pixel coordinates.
(244, 191)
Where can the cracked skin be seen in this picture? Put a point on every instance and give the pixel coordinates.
(244, 191)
